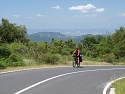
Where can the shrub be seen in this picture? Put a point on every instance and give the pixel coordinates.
(4, 51)
(14, 61)
(2, 65)
(15, 64)
(51, 59)
(18, 48)
(109, 58)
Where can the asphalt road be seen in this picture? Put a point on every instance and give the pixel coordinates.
(61, 80)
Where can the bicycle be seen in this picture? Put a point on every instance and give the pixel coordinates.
(76, 62)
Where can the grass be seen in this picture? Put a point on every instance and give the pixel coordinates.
(119, 86)
(28, 67)
(33, 65)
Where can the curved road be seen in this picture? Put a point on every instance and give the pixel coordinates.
(60, 80)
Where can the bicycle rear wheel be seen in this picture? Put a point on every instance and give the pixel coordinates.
(73, 63)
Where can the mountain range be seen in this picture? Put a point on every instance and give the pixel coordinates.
(46, 35)
(74, 32)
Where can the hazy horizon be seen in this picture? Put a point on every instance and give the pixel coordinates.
(74, 32)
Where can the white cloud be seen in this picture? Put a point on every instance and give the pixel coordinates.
(39, 15)
(83, 8)
(16, 16)
(86, 8)
(56, 7)
(99, 10)
(122, 14)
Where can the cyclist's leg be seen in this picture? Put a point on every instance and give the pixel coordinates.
(74, 62)
(78, 62)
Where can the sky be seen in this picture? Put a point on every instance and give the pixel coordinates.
(64, 14)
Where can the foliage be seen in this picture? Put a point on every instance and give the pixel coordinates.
(15, 47)
(109, 48)
(2, 64)
(11, 32)
(119, 42)
(14, 60)
(51, 59)
(18, 48)
(109, 58)
(4, 51)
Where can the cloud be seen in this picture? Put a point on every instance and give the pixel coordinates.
(122, 14)
(56, 7)
(99, 10)
(86, 8)
(16, 16)
(39, 15)
(82, 8)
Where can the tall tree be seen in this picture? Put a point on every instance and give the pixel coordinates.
(10, 33)
(119, 42)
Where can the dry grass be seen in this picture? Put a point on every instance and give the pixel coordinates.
(43, 66)
(29, 67)
(94, 63)
(91, 63)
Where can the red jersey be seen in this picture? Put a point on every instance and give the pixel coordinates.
(76, 51)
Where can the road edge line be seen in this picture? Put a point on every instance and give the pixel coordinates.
(108, 86)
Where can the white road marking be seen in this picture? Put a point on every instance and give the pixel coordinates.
(109, 84)
(112, 91)
(34, 85)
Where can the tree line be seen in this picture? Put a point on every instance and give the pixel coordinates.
(16, 49)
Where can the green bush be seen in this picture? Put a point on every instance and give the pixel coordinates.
(14, 61)
(15, 64)
(18, 48)
(2, 65)
(109, 58)
(51, 59)
(4, 51)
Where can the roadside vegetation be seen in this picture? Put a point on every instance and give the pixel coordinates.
(16, 49)
(119, 86)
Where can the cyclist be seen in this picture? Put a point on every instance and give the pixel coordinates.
(76, 55)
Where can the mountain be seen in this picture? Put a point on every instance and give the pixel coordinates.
(47, 36)
(74, 32)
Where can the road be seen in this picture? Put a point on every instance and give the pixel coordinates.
(60, 80)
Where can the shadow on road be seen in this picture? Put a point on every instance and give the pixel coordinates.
(79, 67)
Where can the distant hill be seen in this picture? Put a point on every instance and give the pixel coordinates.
(73, 32)
(47, 37)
